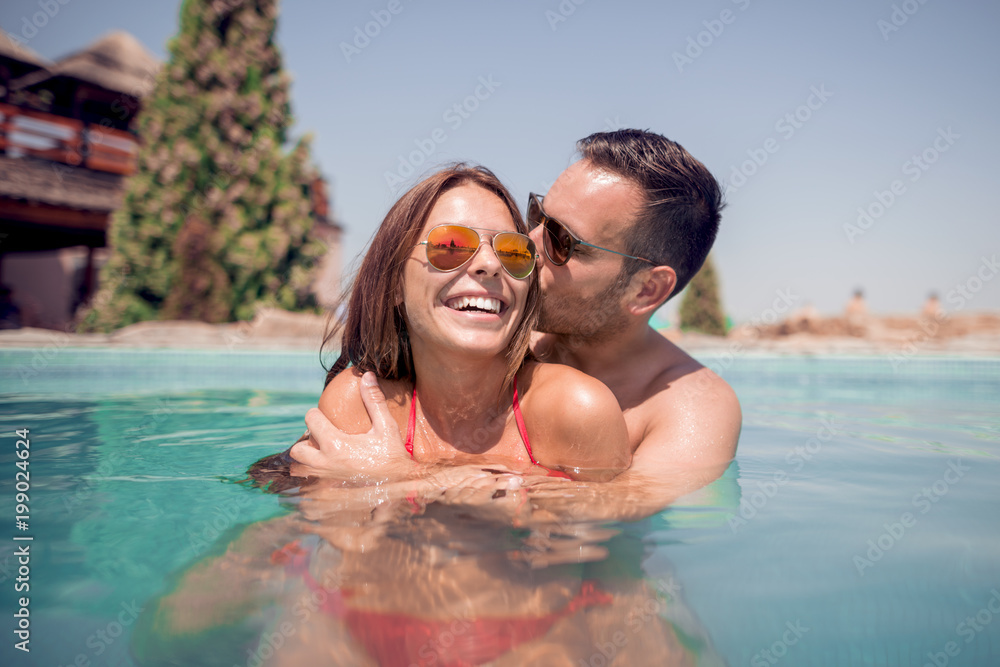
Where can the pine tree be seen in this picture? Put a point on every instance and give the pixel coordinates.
(700, 308)
(216, 221)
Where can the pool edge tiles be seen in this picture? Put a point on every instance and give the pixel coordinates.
(870, 366)
(103, 370)
(88, 370)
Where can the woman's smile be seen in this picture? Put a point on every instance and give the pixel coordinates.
(457, 308)
(476, 304)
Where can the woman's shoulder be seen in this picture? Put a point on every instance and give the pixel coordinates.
(556, 385)
(577, 418)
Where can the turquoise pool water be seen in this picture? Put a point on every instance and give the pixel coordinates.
(858, 525)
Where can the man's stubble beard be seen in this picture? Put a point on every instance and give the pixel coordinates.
(580, 321)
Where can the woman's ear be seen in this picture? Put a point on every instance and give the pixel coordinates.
(651, 288)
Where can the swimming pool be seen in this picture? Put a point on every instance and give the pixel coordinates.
(858, 525)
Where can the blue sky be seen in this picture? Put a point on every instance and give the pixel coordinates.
(807, 110)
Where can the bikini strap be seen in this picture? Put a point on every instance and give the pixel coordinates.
(411, 427)
(521, 428)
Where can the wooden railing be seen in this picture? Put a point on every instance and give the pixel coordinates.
(26, 132)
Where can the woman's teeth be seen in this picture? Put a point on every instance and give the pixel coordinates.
(483, 303)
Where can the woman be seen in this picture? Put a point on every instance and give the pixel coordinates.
(442, 311)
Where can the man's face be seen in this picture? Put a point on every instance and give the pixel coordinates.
(582, 297)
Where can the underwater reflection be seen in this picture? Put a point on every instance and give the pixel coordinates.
(441, 572)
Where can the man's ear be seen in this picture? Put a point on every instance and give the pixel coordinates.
(650, 288)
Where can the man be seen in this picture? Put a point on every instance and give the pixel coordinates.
(622, 230)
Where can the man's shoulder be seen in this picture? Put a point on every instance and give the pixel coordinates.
(686, 398)
(682, 381)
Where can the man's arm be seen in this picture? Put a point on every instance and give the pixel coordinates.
(688, 442)
(690, 438)
(352, 435)
(695, 424)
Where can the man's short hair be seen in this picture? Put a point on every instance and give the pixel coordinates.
(681, 212)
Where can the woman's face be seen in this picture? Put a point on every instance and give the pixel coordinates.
(438, 309)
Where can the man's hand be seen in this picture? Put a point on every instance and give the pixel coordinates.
(379, 452)
(629, 497)
(497, 498)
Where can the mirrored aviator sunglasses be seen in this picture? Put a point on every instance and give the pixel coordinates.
(449, 247)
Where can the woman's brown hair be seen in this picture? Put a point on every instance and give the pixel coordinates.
(373, 337)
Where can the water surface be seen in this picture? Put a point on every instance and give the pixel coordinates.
(857, 526)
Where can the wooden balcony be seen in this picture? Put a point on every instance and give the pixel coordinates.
(25, 132)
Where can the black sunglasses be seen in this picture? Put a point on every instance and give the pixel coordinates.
(559, 242)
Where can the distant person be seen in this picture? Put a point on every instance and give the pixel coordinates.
(856, 307)
(623, 230)
(803, 320)
(10, 314)
(932, 307)
(856, 314)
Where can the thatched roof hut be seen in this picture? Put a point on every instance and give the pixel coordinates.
(117, 62)
(53, 192)
(11, 49)
(17, 60)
